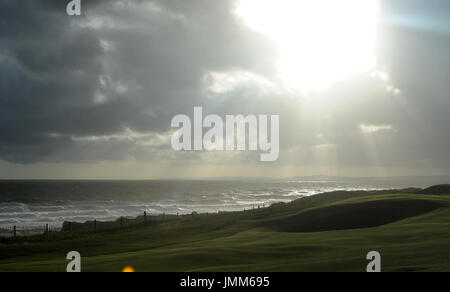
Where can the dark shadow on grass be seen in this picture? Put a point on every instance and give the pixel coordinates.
(354, 216)
(437, 190)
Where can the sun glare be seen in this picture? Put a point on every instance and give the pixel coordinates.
(321, 41)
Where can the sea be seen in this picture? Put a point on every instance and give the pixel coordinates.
(29, 204)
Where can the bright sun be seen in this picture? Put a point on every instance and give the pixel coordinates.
(321, 41)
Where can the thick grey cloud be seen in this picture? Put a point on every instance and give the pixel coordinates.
(106, 85)
(124, 65)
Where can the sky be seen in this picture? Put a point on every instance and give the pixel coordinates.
(361, 87)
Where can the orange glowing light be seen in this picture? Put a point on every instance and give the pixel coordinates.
(128, 270)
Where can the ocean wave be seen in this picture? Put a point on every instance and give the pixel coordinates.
(13, 207)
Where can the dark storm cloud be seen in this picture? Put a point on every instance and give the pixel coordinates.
(59, 76)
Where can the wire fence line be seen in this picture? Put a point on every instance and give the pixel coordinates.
(25, 231)
(125, 222)
(90, 226)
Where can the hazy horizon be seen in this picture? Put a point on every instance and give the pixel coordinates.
(442, 178)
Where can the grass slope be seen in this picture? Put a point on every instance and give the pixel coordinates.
(411, 231)
(437, 190)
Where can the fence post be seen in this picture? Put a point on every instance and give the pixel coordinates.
(15, 231)
(95, 225)
(145, 217)
(121, 222)
(46, 229)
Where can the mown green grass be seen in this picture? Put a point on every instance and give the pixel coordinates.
(418, 240)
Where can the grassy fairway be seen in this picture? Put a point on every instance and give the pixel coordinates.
(330, 232)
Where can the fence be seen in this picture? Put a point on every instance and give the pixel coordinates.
(120, 223)
(90, 226)
(24, 231)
